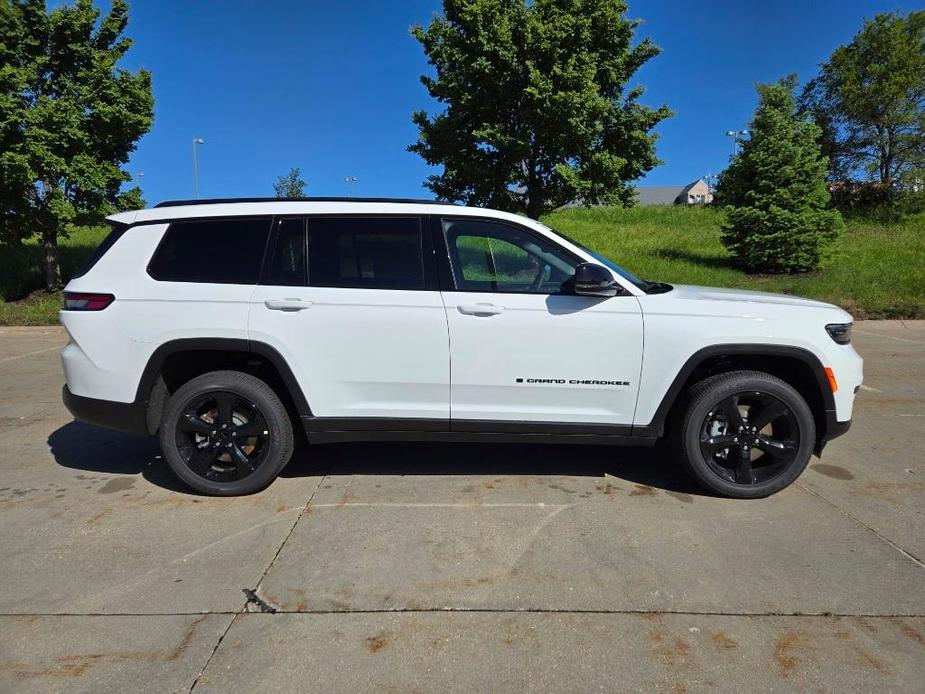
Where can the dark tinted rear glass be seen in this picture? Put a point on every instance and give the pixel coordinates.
(287, 266)
(365, 252)
(223, 251)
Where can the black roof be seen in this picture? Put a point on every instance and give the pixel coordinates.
(212, 201)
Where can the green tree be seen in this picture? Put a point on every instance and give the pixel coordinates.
(291, 185)
(538, 111)
(775, 193)
(869, 100)
(69, 118)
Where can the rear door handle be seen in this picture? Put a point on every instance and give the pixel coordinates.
(287, 304)
(480, 309)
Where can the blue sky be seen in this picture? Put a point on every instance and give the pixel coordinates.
(329, 87)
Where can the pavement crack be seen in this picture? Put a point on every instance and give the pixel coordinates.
(251, 595)
(864, 525)
(261, 604)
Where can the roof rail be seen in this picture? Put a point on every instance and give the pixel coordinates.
(213, 201)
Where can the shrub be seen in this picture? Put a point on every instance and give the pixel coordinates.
(775, 192)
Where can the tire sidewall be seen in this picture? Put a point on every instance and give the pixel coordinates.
(266, 402)
(699, 409)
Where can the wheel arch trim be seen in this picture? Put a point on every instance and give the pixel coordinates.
(219, 344)
(657, 424)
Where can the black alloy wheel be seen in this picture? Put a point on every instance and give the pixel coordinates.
(221, 436)
(226, 433)
(750, 438)
(744, 434)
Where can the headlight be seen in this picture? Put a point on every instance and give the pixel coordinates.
(840, 332)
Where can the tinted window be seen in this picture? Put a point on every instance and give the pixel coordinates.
(287, 266)
(224, 251)
(365, 252)
(492, 257)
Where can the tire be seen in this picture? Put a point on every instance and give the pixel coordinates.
(243, 456)
(745, 434)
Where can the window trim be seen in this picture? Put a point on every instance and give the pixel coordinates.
(448, 276)
(428, 264)
(187, 220)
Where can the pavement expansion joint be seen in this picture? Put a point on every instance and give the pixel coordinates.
(864, 525)
(259, 604)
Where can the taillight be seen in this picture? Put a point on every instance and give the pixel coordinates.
(82, 301)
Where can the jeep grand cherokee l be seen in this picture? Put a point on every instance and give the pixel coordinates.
(221, 326)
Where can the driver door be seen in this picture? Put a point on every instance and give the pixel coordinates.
(523, 347)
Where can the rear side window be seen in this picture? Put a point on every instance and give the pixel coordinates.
(221, 251)
(287, 266)
(365, 252)
(100, 251)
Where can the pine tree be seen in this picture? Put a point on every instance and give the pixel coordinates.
(775, 192)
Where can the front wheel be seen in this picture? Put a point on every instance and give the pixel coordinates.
(745, 434)
(226, 433)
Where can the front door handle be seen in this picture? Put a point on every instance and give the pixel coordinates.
(480, 309)
(287, 304)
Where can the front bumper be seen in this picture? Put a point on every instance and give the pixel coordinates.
(124, 416)
(833, 429)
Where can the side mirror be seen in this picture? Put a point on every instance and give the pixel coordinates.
(592, 279)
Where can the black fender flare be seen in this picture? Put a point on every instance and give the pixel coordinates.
(656, 426)
(149, 390)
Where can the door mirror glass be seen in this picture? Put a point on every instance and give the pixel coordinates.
(592, 279)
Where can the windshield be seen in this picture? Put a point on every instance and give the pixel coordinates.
(604, 260)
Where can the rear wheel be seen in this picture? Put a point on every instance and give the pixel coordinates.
(226, 433)
(745, 434)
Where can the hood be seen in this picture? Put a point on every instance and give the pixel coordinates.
(688, 300)
(687, 291)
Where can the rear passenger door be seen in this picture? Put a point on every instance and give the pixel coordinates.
(351, 302)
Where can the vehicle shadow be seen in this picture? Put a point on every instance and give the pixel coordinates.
(653, 467)
(84, 447)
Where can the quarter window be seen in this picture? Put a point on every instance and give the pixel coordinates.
(491, 257)
(221, 251)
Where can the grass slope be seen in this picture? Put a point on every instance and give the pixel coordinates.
(875, 270)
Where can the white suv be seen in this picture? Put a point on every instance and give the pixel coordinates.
(222, 326)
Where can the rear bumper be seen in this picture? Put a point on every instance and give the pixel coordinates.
(124, 416)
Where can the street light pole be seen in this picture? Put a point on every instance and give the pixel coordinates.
(196, 141)
(351, 183)
(735, 134)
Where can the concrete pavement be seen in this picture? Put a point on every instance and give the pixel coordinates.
(459, 567)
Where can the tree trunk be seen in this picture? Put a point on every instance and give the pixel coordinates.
(52, 266)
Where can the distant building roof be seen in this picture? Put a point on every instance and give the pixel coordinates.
(658, 195)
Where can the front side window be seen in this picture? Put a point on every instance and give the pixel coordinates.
(220, 251)
(493, 257)
(365, 252)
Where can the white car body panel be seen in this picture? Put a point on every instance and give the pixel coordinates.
(687, 319)
(544, 338)
(361, 352)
